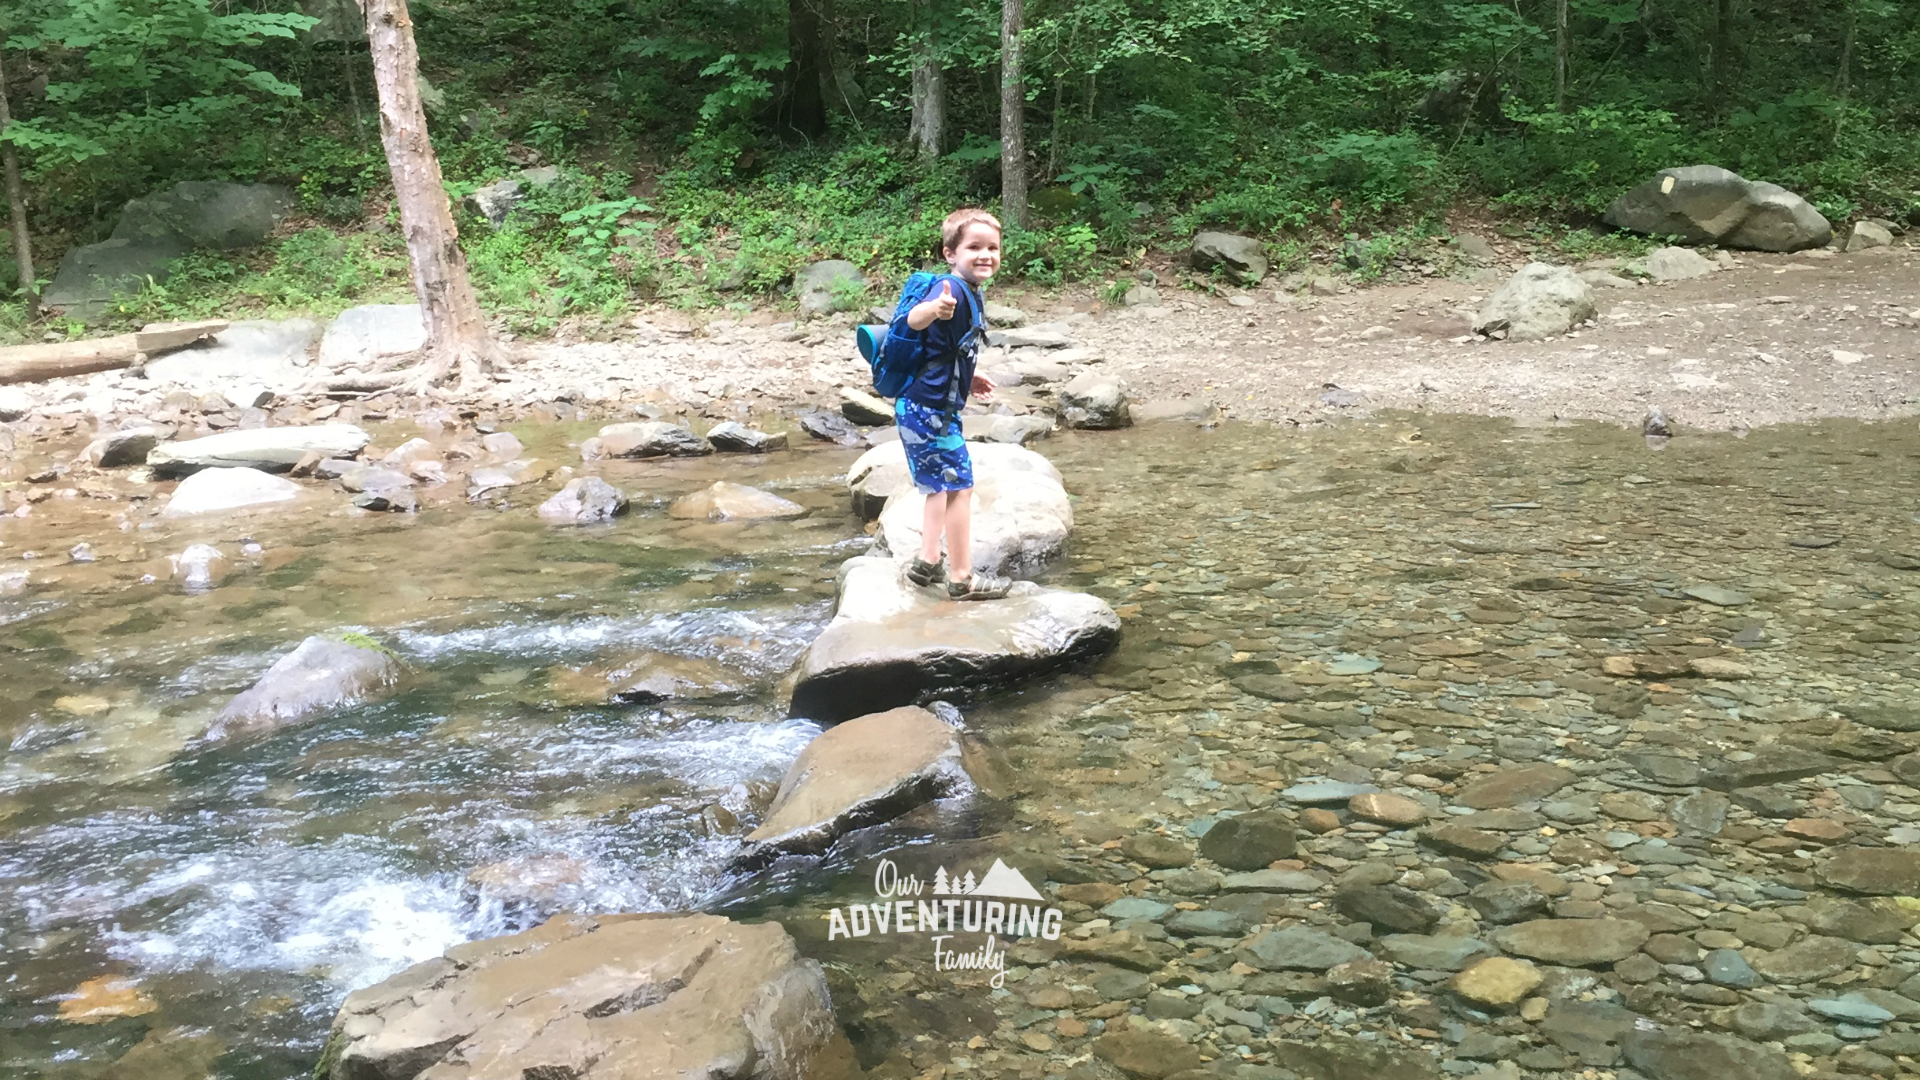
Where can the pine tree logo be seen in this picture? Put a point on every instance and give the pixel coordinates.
(1001, 880)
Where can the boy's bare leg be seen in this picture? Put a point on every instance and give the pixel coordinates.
(933, 521)
(959, 517)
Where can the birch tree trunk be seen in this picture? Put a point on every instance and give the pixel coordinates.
(1013, 103)
(17, 204)
(928, 128)
(456, 330)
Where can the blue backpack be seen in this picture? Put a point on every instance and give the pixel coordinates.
(896, 357)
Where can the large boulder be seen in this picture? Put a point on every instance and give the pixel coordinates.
(610, 997)
(862, 772)
(92, 275)
(1240, 255)
(272, 449)
(361, 336)
(649, 438)
(1021, 521)
(1707, 204)
(1540, 301)
(207, 214)
(823, 287)
(881, 473)
(1095, 402)
(725, 501)
(154, 231)
(891, 644)
(211, 491)
(321, 673)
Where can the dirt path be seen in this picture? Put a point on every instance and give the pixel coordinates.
(1777, 338)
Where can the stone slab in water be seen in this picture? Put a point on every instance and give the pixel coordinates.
(613, 996)
(892, 644)
(273, 449)
(863, 772)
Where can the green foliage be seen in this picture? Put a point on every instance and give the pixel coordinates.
(1303, 123)
(138, 77)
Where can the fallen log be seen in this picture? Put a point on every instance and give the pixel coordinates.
(37, 363)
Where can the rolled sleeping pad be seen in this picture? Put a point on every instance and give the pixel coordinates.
(869, 338)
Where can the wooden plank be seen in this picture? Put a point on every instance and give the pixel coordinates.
(160, 337)
(37, 363)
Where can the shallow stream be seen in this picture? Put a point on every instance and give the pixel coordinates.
(244, 889)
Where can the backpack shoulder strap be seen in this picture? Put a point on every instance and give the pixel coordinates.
(919, 283)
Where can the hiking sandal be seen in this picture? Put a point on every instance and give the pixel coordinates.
(923, 573)
(979, 587)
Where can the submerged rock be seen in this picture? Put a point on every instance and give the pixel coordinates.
(269, 449)
(867, 770)
(602, 998)
(213, 490)
(321, 673)
(528, 889)
(200, 566)
(644, 679)
(891, 644)
(726, 501)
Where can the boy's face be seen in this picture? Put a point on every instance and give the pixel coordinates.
(977, 255)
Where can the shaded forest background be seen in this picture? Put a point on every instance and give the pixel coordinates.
(709, 148)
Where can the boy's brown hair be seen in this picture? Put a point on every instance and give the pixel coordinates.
(952, 229)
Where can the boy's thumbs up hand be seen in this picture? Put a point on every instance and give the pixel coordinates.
(945, 303)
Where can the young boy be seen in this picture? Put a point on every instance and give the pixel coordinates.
(950, 322)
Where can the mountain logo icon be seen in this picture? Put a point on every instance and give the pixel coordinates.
(1004, 880)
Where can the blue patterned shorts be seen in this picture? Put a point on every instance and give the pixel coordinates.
(936, 448)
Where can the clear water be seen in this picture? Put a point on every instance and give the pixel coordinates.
(249, 887)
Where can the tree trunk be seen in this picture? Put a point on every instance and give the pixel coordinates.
(17, 204)
(929, 126)
(456, 329)
(1843, 79)
(1560, 47)
(809, 66)
(1013, 104)
(1722, 52)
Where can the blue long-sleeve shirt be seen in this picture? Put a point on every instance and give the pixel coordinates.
(951, 347)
